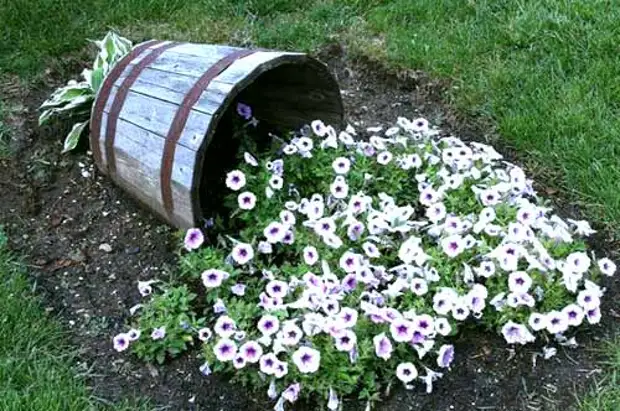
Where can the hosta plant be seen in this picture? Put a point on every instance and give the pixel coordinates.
(75, 100)
(350, 261)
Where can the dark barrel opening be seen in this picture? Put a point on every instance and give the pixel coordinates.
(283, 99)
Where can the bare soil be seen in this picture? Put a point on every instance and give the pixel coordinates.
(59, 211)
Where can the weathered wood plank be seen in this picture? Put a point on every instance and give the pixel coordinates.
(187, 64)
(138, 167)
(241, 68)
(177, 82)
(149, 148)
(209, 102)
(156, 116)
(204, 50)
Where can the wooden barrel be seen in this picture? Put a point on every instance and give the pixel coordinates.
(159, 108)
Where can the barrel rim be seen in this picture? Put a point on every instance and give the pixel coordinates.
(284, 59)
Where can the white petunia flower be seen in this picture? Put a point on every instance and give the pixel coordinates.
(235, 180)
(406, 372)
(453, 245)
(225, 350)
(276, 182)
(384, 157)
(341, 165)
(242, 253)
(307, 360)
(246, 200)
(607, 266)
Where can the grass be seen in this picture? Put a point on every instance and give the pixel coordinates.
(605, 396)
(37, 366)
(544, 74)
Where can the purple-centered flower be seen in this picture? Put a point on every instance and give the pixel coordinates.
(345, 340)
(515, 333)
(291, 334)
(557, 322)
(383, 346)
(307, 360)
(242, 253)
(348, 317)
(235, 180)
(424, 323)
(574, 314)
(133, 334)
(225, 326)
(349, 282)
(341, 165)
(225, 350)
(275, 232)
(246, 200)
(292, 392)
(594, 315)
(158, 333)
(268, 363)
(311, 255)
(401, 330)
(204, 334)
(244, 111)
(251, 351)
(268, 325)
(193, 239)
(121, 342)
(289, 237)
(277, 288)
(238, 289)
(406, 372)
(213, 278)
(445, 356)
(239, 362)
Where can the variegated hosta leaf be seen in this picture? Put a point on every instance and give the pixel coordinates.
(76, 99)
(71, 107)
(65, 94)
(73, 138)
(96, 79)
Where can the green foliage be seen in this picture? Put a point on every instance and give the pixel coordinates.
(75, 100)
(173, 311)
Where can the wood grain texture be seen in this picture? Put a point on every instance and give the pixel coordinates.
(284, 89)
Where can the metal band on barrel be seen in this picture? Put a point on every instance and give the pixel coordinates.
(104, 94)
(119, 100)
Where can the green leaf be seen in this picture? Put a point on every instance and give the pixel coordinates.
(73, 138)
(96, 79)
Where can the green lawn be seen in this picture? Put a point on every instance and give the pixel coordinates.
(605, 396)
(37, 367)
(543, 74)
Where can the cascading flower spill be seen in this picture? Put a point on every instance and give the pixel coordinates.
(351, 260)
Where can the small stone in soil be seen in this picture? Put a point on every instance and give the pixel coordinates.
(132, 250)
(105, 247)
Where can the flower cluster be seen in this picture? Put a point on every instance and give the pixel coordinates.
(358, 259)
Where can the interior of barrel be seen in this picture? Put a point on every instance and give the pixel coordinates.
(283, 99)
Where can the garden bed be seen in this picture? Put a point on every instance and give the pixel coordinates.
(64, 216)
